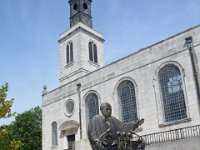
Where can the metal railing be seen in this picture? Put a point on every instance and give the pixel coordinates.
(172, 135)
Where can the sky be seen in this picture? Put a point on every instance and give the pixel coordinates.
(30, 29)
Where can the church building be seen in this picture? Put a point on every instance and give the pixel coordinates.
(160, 83)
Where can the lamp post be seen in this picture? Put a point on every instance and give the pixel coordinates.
(79, 98)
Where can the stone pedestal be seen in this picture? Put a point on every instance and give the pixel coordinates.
(83, 144)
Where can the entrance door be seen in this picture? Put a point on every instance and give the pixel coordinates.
(71, 142)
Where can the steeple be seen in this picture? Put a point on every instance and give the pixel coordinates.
(81, 47)
(80, 11)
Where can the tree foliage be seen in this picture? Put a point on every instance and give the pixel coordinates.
(25, 133)
(5, 112)
(5, 105)
(27, 127)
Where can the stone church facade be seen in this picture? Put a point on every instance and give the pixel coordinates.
(159, 83)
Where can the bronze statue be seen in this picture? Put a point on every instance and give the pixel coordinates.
(104, 129)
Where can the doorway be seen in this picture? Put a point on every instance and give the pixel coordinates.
(71, 142)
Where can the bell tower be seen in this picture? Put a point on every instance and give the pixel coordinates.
(81, 47)
(80, 11)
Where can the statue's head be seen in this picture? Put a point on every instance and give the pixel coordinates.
(106, 110)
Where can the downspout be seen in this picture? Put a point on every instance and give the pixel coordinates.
(79, 98)
(190, 46)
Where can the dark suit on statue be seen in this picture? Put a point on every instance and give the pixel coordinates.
(99, 125)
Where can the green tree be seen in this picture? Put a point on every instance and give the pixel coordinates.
(5, 112)
(27, 127)
(5, 105)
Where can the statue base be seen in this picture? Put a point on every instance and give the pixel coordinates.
(83, 144)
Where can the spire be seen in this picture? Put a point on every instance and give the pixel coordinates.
(80, 11)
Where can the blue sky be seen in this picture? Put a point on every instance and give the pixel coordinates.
(29, 31)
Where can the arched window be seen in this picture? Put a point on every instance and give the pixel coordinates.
(54, 134)
(93, 52)
(92, 106)
(69, 53)
(171, 87)
(126, 93)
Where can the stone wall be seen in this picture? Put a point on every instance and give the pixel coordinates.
(185, 144)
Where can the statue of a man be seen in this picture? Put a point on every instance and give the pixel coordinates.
(106, 125)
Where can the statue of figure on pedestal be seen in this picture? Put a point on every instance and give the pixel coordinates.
(104, 130)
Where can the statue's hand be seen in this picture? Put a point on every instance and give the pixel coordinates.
(115, 142)
(140, 122)
(98, 143)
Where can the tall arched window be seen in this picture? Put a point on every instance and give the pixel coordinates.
(171, 87)
(93, 52)
(126, 93)
(69, 53)
(92, 106)
(54, 134)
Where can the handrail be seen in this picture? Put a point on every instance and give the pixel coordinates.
(172, 135)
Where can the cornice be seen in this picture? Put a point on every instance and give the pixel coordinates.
(80, 29)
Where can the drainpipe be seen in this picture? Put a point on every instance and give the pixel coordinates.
(189, 45)
(79, 98)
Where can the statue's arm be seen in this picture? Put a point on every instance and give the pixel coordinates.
(134, 125)
(126, 127)
(92, 131)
